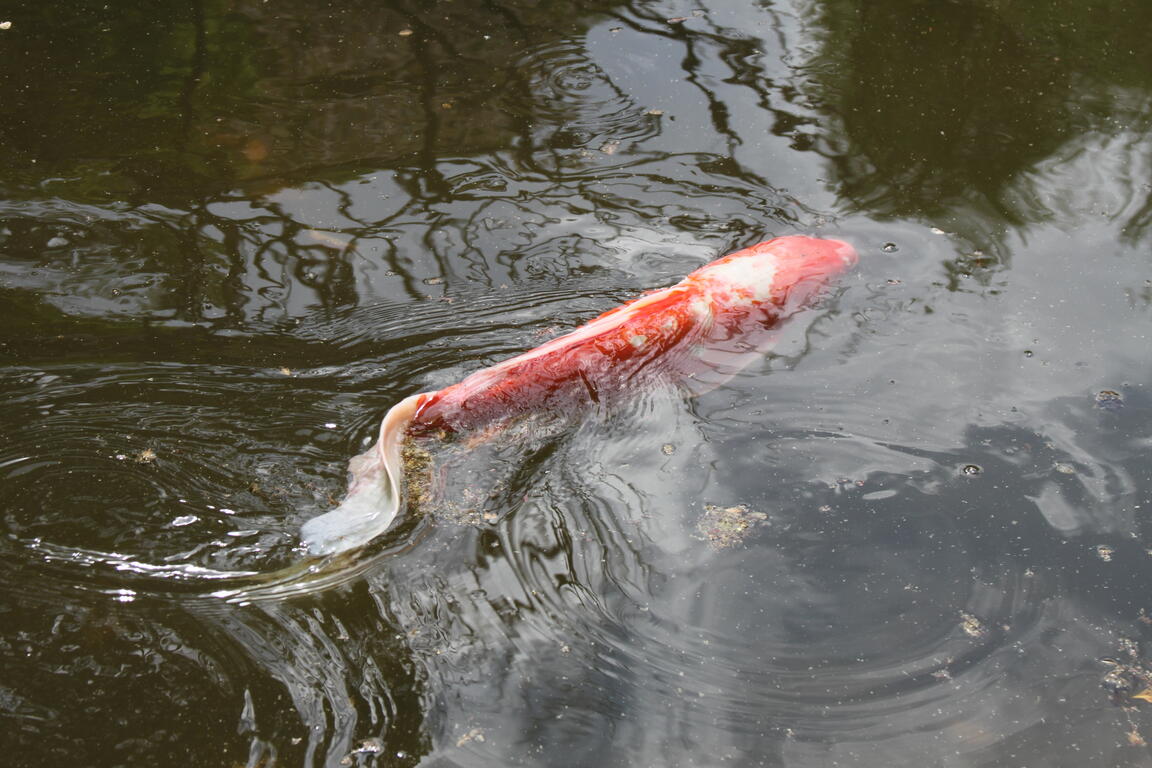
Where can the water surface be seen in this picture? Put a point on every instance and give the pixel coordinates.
(232, 234)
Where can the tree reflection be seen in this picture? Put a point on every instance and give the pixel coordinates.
(947, 104)
(259, 170)
(942, 101)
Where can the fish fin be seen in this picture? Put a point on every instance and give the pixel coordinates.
(705, 369)
(374, 493)
(712, 364)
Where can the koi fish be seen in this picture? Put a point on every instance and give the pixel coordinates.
(698, 333)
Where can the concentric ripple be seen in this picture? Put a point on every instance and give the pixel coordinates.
(574, 115)
(147, 471)
(873, 607)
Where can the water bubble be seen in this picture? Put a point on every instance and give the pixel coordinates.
(1028, 353)
(889, 248)
(971, 470)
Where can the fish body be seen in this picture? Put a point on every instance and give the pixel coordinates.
(698, 332)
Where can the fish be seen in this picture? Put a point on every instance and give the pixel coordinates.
(697, 333)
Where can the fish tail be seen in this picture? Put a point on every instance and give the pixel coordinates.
(374, 493)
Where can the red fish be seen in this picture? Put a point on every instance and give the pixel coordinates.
(698, 333)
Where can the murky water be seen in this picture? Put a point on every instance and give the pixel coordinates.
(232, 234)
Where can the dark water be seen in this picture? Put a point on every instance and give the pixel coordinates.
(232, 233)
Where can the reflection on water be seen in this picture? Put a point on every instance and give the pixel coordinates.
(232, 234)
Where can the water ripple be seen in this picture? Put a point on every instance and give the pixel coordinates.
(574, 116)
(149, 471)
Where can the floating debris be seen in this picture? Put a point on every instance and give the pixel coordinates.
(372, 746)
(1128, 679)
(1065, 469)
(668, 449)
(655, 112)
(473, 735)
(972, 626)
(1109, 400)
(469, 513)
(610, 147)
(146, 456)
(5, 25)
(725, 527)
(286, 371)
(404, 32)
(1105, 552)
(417, 474)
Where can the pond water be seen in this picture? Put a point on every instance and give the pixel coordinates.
(232, 234)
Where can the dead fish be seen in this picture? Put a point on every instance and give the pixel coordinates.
(697, 333)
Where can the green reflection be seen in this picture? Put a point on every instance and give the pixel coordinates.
(124, 97)
(948, 102)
